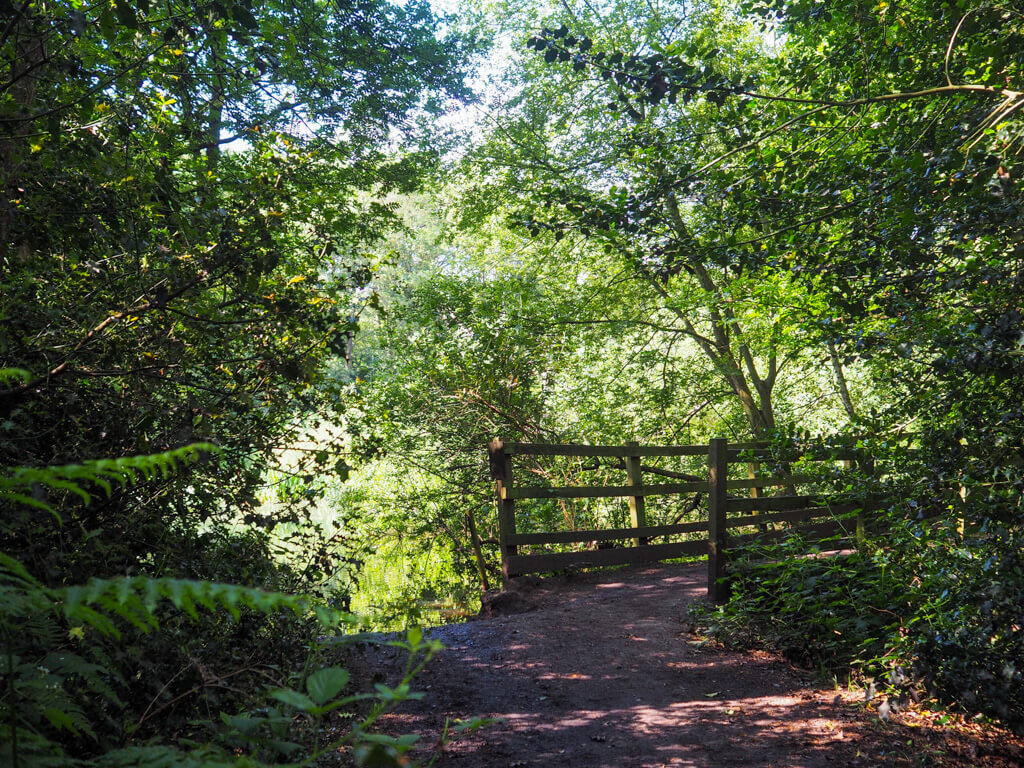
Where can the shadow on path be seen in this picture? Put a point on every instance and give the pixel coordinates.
(601, 673)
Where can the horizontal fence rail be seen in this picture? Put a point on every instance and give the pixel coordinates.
(727, 513)
(545, 449)
(604, 491)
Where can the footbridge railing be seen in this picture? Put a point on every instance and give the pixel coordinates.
(737, 511)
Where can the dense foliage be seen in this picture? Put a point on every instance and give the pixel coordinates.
(763, 220)
(674, 221)
(183, 228)
(876, 164)
(191, 193)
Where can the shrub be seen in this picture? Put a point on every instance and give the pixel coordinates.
(75, 657)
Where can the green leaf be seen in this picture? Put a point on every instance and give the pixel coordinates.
(126, 14)
(400, 693)
(406, 740)
(325, 684)
(294, 699)
(376, 756)
(414, 637)
(242, 12)
(108, 24)
(9, 376)
(60, 719)
(342, 470)
(244, 724)
(285, 748)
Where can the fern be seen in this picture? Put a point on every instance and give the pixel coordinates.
(18, 483)
(37, 705)
(43, 707)
(135, 600)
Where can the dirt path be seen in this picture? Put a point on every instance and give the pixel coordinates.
(599, 671)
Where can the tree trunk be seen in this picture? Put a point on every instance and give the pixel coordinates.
(844, 392)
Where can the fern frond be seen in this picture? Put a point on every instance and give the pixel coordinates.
(34, 751)
(135, 600)
(13, 570)
(69, 716)
(43, 628)
(66, 663)
(104, 473)
(28, 501)
(111, 672)
(17, 603)
(50, 701)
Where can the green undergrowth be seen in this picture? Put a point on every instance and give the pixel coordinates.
(879, 616)
(72, 662)
(822, 612)
(401, 585)
(176, 671)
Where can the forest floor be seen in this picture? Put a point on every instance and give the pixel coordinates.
(599, 670)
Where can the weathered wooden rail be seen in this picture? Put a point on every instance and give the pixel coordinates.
(813, 517)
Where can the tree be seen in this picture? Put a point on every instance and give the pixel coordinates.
(447, 358)
(189, 195)
(795, 177)
(878, 163)
(463, 341)
(184, 221)
(624, 181)
(871, 166)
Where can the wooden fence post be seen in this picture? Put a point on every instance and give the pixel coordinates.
(501, 473)
(753, 469)
(849, 464)
(718, 473)
(866, 464)
(637, 508)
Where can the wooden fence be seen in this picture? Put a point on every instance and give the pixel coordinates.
(765, 517)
